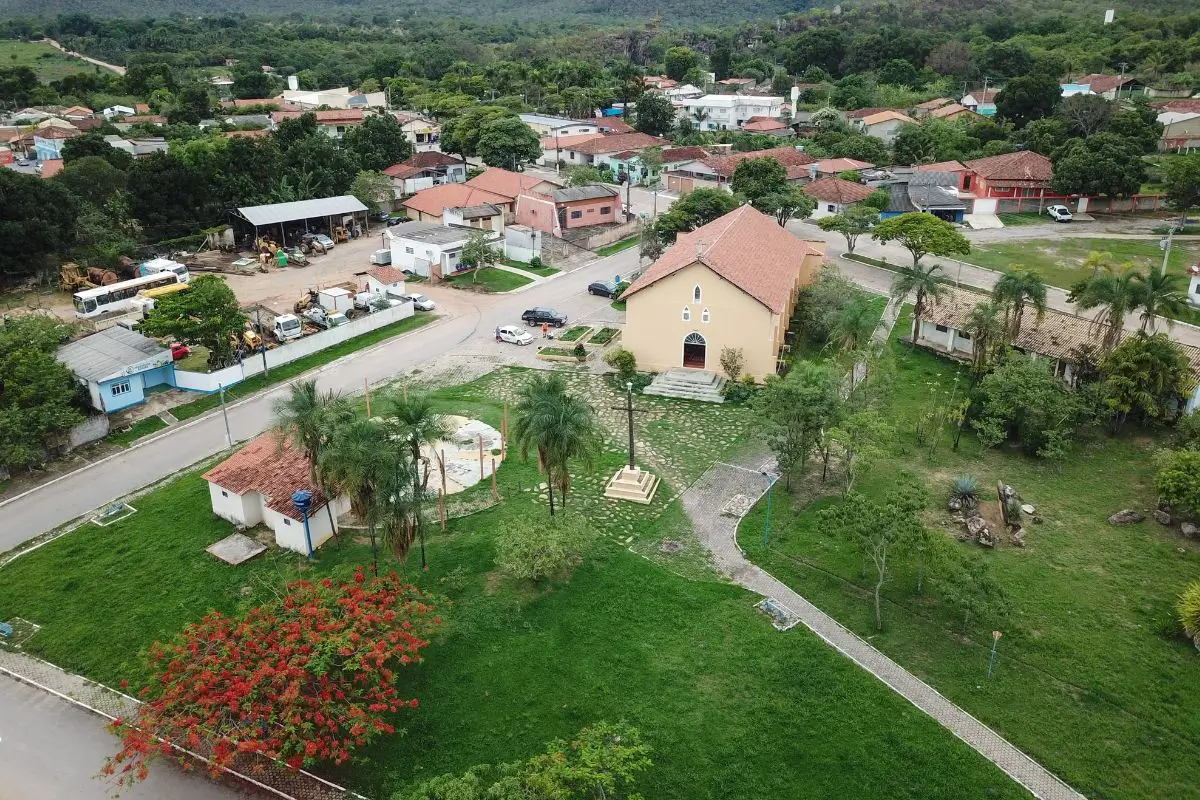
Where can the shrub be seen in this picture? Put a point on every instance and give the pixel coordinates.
(532, 549)
(965, 489)
(1178, 480)
(624, 362)
(1187, 607)
(579, 351)
(732, 361)
(536, 262)
(740, 391)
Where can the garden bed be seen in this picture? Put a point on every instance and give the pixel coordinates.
(575, 333)
(604, 336)
(561, 354)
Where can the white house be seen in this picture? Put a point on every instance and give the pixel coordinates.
(834, 195)
(883, 124)
(725, 112)
(982, 101)
(118, 111)
(341, 97)
(428, 249)
(678, 94)
(546, 125)
(255, 487)
(388, 281)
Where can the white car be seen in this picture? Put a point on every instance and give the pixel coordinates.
(1059, 213)
(513, 334)
(421, 302)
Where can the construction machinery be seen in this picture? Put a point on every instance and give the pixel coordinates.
(102, 277)
(72, 278)
(340, 235)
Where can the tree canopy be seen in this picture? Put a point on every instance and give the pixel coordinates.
(205, 314)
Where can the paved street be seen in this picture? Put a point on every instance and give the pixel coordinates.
(469, 329)
(52, 750)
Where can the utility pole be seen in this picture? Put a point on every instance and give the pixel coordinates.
(225, 414)
(1165, 244)
(262, 341)
(1124, 65)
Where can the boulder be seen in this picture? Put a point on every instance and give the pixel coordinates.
(1018, 537)
(986, 539)
(976, 524)
(1007, 492)
(1037, 520)
(1126, 516)
(1189, 530)
(1162, 517)
(954, 504)
(1027, 509)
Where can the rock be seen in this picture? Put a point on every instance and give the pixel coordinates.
(1189, 530)
(954, 504)
(1007, 491)
(975, 525)
(1126, 517)
(1018, 537)
(986, 539)
(1162, 517)
(1027, 509)
(1037, 520)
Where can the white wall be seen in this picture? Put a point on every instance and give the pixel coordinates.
(244, 510)
(289, 533)
(822, 209)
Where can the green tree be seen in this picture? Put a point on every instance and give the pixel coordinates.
(192, 104)
(38, 218)
(756, 178)
(796, 408)
(251, 84)
(93, 144)
(854, 326)
(413, 421)
(478, 253)
(1027, 98)
(92, 179)
(461, 134)
(787, 204)
(1148, 376)
(582, 176)
(206, 315)
(559, 428)
(353, 463)
(925, 283)
(988, 331)
(1085, 114)
(696, 209)
(880, 530)
(1022, 399)
(531, 549)
(1115, 296)
(1043, 136)
(378, 143)
(37, 392)
(169, 197)
(307, 418)
(1013, 290)
(1181, 180)
(1160, 294)
(654, 115)
(652, 163)
(508, 142)
(374, 189)
(922, 234)
(679, 60)
(1178, 480)
(861, 439)
(852, 223)
(1101, 164)
(969, 584)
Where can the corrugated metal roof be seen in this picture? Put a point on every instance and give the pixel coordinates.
(111, 353)
(592, 191)
(275, 213)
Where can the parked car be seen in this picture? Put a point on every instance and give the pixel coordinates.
(1059, 213)
(513, 334)
(603, 289)
(179, 351)
(543, 316)
(325, 241)
(23, 162)
(421, 302)
(393, 221)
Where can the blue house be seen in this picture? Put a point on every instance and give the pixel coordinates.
(117, 366)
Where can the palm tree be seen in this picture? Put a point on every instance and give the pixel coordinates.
(396, 505)
(925, 282)
(413, 420)
(1159, 294)
(1115, 296)
(306, 418)
(700, 116)
(352, 464)
(1098, 261)
(559, 427)
(987, 330)
(1014, 289)
(853, 326)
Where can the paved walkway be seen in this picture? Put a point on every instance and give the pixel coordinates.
(704, 502)
(533, 276)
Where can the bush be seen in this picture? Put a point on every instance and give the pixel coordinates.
(732, 361)
(536, 262)
(1178, 480)
(536, 548)
(579, 351)
(624, 362)
(965, 489)
(740, 391)
(1187, 607)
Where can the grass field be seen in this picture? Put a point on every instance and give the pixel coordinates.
(1023, 218)
(49, 64)
(616, 247)
(1060, 261)
(489, 279)
(544, 271)
(1084, 681)
(143, 427)
(732, 707)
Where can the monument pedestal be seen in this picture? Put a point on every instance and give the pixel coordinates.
(633, 485)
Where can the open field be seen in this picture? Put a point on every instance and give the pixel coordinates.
(731, 706)
(1060, 261)
(1088, 680)
(489, 279)
(49, 64)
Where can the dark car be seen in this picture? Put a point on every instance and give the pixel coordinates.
(603, 289)
(544, 316)
(393, 221)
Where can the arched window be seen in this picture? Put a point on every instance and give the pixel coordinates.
(704, 315)
(696, 293)
(687, 314)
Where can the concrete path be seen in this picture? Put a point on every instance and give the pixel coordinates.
(531, 275)
(704, 502)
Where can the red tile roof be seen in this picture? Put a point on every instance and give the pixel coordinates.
(937, 102)
(402, 170)
(270, 466)
(859, 113)
(746, 248)
(942, 166)
(54, 132)
(1185, 105)
(614, 125)
(141, 108)
(88, 123)
(432, 158)
(982, 97)
(1099, 83)
(836, 190)
(787, 156)
(887, 115)
(952, 110)
(615, 143)
(1024, 166)
(835, 166)
(152, 119)
(255, 134)
(624, 155)
(435, 200)
(568, 142)
(677, 155)
(387, 275)
(335, 116)
(509, 184)
(51, 167)
(270, 102)
(755, 125)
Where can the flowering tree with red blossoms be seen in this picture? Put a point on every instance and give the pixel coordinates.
(306, 678)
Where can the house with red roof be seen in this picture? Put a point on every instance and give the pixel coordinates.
(715, 171)
(255, 486)
(982, 101)
(589, 150)
(333, 122)
(882, 124)
(834, 195)
(732, 283)
(836, 166)
(1023, 174)
(424, 170)
(768, 126)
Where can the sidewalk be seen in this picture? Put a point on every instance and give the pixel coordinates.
(705, 501)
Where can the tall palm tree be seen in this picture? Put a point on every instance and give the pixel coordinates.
(306, 419)
(700, 116)
(351, 463)
(1159, 294)
(1115, 296)
(559, 427)
(412, 420)
(853, 326)
(1014, 289)
(926, 282)
(987, 330)
(396, 507)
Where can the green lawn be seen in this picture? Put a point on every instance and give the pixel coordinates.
(143, 427)
(1023, 218)
(1060, 261)
(196, 361)
(732, 707)
(294, 368)
(489, 279)
(616, 247)
(1084, 682)
(544, 270)
(49, 63)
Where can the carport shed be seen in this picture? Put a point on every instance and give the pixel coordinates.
(330, 212)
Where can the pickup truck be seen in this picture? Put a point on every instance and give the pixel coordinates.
(543, 316)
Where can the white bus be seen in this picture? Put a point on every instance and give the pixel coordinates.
(116, 297)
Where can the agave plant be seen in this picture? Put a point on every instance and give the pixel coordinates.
(964, 491)
(1188, 609)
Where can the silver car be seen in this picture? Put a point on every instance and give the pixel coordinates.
(421, 302)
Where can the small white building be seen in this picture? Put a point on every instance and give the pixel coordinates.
(834, 195)
(727, 112)
(982, 101)
(255, 487)
(428, 249)
(118, 111)
(546, 125)
(385, 280)
(883, 124)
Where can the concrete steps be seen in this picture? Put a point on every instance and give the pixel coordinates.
(688, 384)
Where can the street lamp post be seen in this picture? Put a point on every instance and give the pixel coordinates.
(767, 523)
(1165, 245)
(302, 500)
(225, 414)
